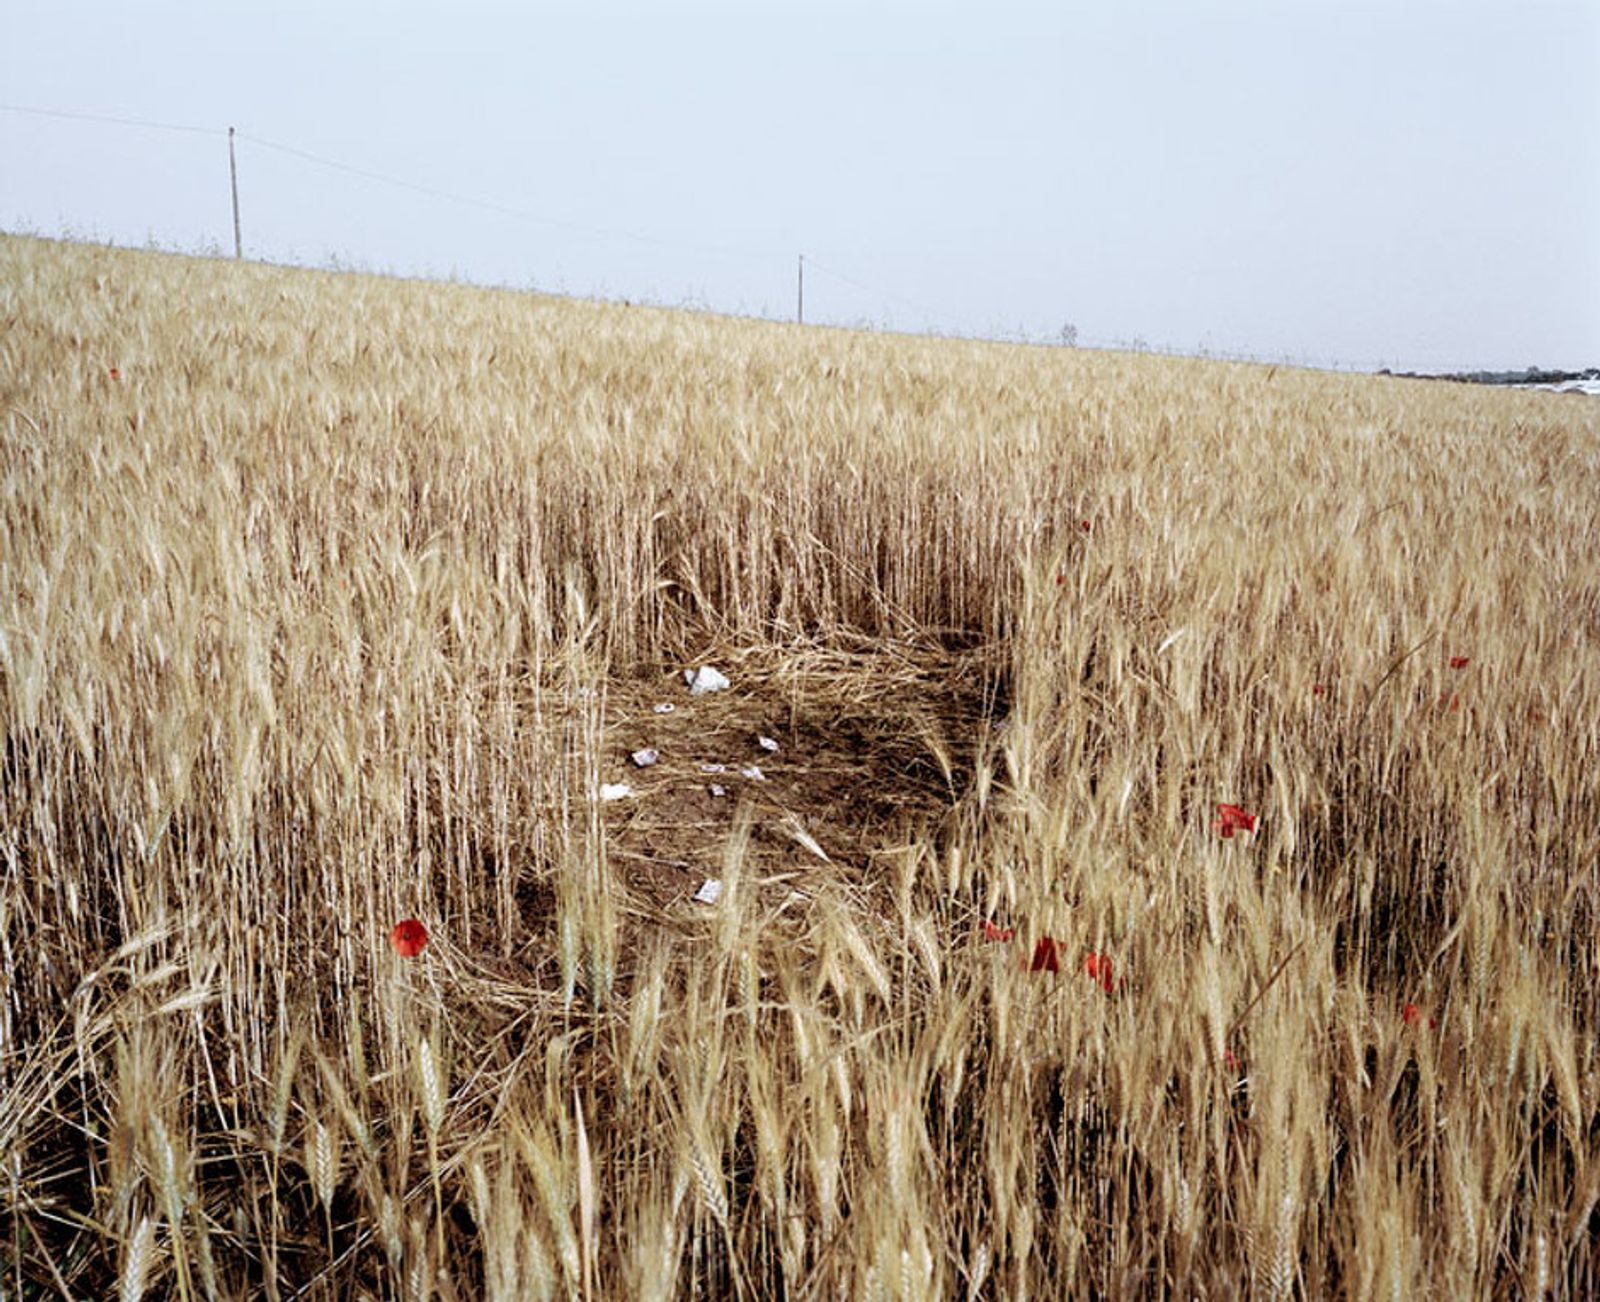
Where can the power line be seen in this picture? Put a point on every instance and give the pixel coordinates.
(117, 121)
(873, 289)
(471, 201)
(505, 210)
(615, 233)
(436, 192)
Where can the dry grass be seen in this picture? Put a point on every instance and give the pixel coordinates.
(299, 618)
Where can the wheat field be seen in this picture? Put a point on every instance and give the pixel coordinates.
(329, 601)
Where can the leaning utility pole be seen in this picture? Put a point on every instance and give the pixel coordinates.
(800, 302)
(233, 176)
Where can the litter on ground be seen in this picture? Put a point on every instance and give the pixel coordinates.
(666, 707)
(863, 783)
(645, 758)
(767, 744)
(704, 679)
(710, 891)
(615, 791)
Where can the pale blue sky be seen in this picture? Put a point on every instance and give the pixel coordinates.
(1413, 183)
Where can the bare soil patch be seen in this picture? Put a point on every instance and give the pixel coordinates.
(874, 749)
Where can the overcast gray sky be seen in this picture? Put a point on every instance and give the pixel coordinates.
(1413, 183)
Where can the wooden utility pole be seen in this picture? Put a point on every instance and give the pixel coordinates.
(800, 301)
(233, 176)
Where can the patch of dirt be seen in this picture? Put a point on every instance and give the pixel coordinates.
(874, 749)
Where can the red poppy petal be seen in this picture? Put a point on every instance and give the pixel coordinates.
(1233, 819)
(1098, 969)
(408, 938)
(1046, 956)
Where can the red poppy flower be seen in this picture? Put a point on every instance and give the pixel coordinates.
(1046, 955)
(994, 933)
(1460, 662)
(115, 374)
(1084, 525)
(1411, 1015)
(1317, 689)
(408, 938)
(1450, 700)
(1060, 579)
(1098, 966)
(1233, 818)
